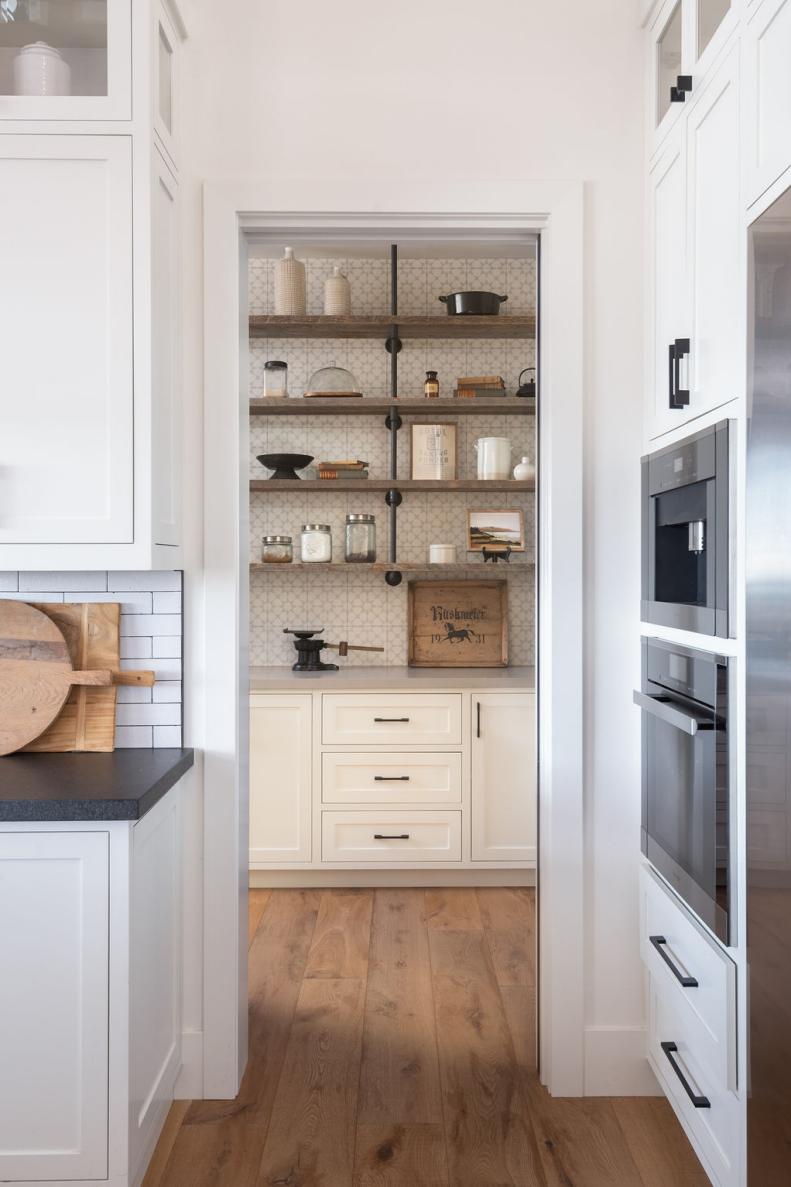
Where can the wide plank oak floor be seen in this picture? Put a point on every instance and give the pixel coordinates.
(392, 1044)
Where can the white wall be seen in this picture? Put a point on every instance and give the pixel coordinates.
(440, 89)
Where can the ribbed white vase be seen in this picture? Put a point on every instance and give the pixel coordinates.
(290, 286)
(337, 294)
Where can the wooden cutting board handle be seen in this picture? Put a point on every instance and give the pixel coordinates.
(96, 678)
(133, 679)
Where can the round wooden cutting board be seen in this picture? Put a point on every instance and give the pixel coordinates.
(35, 674)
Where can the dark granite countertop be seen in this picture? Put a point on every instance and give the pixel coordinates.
(123, 785)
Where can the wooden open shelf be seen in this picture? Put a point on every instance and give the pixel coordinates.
(441, 326)
(405, 405)
(361, 485)
(489, 569)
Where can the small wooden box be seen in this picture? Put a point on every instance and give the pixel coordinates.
(458, 624)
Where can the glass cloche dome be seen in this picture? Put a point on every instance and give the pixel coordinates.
(332, 381)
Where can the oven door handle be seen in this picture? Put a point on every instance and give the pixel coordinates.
(662, 708)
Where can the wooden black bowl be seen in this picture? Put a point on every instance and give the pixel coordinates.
(285, 465)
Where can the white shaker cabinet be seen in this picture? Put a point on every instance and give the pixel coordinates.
(503, 789)
(668, 272)
(767, 95)
(280, 778)
(54, 1004)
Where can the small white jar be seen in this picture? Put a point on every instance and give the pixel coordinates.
(442, 554)
(337, 295)
(316, 543)
(524, 470)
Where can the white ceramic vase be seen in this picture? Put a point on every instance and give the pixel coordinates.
(494, 457)
(337, 294)
(39, 69)
(289, 286)
(524, 470)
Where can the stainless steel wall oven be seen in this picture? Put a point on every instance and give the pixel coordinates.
(686, 786)
(685, 533)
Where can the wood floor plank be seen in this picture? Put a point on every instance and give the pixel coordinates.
(657, 1143)
(580, 1141)
(454, 908)
(220, 1142)
(256, 905)
(519, 1003)
(311, 1138)
(508, 916)
(399, 1077)
(155, 1174)
(489, 1140)
(401, 1156)
(342, 935)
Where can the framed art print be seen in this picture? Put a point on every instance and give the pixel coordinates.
(434, 451)
(495, 529)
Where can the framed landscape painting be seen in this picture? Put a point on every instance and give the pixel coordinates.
(495, 529)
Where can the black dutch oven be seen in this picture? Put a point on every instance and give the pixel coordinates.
(473, 302)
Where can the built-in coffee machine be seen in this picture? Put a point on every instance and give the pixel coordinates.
(686, 561)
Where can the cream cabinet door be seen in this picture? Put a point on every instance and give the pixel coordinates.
(280, 778)
(767, 95)
(66, 397)
(714, 371)
(503, 776)
(54, 920)
(668, 278)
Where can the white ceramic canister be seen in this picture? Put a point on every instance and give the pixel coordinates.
(289, 286)
(337, 294)
(524, 470)
(39, 69)
(494, 457)
(442, 554)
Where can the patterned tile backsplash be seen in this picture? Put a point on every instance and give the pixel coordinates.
(151, 638)
(356, 604)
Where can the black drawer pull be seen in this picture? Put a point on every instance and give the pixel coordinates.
(391, 836)
(659, 942)
(391, 778)
(391, 719)
(700, 1102)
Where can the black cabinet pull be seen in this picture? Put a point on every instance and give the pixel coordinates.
(679, 92)
(700, 1102)
(478, 709)
(676, 351)
(380, 719)
(391, 778)
(391, 836)
(659, 943)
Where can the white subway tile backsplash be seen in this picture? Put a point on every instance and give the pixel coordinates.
(64, 581)
(167, 603)
(154, 581)
(167, 735)
(150, 638)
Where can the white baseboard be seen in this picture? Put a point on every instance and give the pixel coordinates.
(302, 879)
(189, 1083)
(616, 1063)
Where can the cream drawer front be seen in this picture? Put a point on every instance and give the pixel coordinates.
(682, 1073)
(395, 777)
(675, 950)
(391, 719)
(353, 837)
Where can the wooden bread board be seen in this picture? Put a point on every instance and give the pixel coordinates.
(87, 720)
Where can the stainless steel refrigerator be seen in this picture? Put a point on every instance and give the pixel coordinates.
(768, 561)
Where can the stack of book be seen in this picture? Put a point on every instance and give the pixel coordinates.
(469, 386)
(343, 469)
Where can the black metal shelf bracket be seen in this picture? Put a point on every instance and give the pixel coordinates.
(393, 421)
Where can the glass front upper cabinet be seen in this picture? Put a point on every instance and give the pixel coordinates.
(710, 14)
(668, 60)
(66, 59)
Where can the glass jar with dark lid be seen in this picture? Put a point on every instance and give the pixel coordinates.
(360, 538)
(277, 550)
(275, 379)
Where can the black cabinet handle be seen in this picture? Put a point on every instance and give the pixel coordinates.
(380, 719)
(678, 350)
(478, 711)
(700, 1102)
(391, 836)
(391, 778)
(659, 943)
(678, 93)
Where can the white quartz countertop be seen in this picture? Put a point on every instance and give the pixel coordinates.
(392, 679)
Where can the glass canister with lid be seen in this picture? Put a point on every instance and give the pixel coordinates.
(275, 379)
(316, 543)
(360, 538)
(277, 550)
